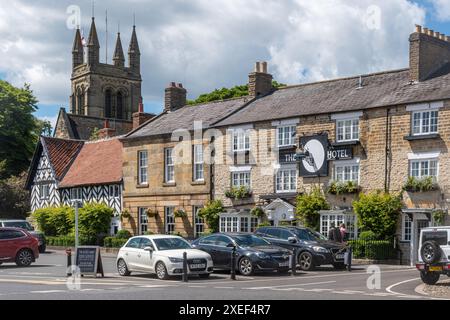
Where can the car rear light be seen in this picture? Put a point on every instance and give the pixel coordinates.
(447, 267)
(420, 266)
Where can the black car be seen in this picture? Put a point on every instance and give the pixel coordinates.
(313, 249)
(252, 253)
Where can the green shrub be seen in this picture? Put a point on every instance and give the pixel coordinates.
(368, 235)
(308, 207)
(55, 221)
(258, 212)
(373, 249)
(69, 241)
(95, 220)
(114, 242)
(378, 212)
(264, 224)
(211, 213)
(123, 234)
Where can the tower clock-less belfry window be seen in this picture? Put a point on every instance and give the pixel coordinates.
(119, 105)
(108, 104)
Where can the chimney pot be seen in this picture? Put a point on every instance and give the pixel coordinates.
(180, 85)
(431, 32)
(257, 66)
(447, 38)
(437, 35)
(264, 67)
(141, 106)
(106, 124)
(425, 30)
(260, 82)
(418, 28)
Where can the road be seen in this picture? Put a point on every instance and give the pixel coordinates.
(46, 279)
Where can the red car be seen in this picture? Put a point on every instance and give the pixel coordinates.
(17, 245)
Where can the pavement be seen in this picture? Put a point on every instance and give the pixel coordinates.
(46, 280)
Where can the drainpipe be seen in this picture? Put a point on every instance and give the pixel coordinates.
(387, 152)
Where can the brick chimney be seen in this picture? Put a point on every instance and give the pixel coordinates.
(259, 81)
(175, 97)
(429, 52)
(107, 131)
(141, 117)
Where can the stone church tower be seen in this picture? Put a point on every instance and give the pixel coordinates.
(104, 90)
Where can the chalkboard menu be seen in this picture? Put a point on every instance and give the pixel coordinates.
(89, 261)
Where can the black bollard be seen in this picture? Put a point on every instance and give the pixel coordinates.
(233, 263)
(349, 259)
(69, 262)
(185, 267)
(294, 262)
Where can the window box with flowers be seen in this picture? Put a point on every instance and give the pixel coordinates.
(425, 184)
(339, 188)
(238, 193)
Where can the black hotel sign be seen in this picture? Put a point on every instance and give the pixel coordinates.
(340, 153)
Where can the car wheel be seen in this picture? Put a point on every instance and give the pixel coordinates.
(245, 267)
(24, 258)
(430, 252)
(305, 260)
(204, 275)
(161, 271)
(42, 249)
(339, 266)
(430, 278)
(122, 268)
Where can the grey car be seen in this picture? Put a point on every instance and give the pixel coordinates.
(25, 225)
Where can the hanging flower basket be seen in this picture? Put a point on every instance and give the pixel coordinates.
(180, 214)
(125, 215)
(152, 213)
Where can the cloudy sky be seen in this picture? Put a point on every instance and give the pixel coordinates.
(211, 44)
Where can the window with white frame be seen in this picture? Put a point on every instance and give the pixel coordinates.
(233, 224)
(350, 221)
(143, 221)
(425, 122)
(347, 130)
(76, 194)
(44, 191)
(114, 191)
(424, 168)
(241, 179)
(143, 167)
(286, 180)
(198, 163)
(346, 171)
(406, 228)
(170, 220)
(169, 170)
(286, 135)
(199, 222)
(241, 140)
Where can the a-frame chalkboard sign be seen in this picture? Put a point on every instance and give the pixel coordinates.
(89, 261)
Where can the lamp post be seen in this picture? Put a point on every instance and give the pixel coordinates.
(77, 205)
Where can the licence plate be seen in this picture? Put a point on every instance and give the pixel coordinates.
(434, 269)
(197, 266)
(284, 264)
(340, 256)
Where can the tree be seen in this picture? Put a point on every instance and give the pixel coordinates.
(378, 212)
(211, 214)
(19, 130)
(308, 207)
(227, 93)
(14, 200)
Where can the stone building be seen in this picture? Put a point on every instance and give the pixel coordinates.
(101, 91)
(373, 131)
(167, 173)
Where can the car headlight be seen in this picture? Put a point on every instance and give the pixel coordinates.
(320, 249)
(176, 260)
(262, 255)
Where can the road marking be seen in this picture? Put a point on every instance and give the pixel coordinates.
(389, 289)
(48, 291)
(290, 285)
(196, 286)
(223, 287)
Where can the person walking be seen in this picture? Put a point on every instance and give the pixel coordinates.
(344, 233)
(334, 234)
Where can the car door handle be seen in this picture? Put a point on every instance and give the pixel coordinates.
(139, 255)
(126, 253)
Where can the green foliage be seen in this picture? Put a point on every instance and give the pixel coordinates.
(368, 235)
(114, 242)
(211, 213)
(264, 224)
(308, 207)
(238, 193)
(420, 185)
(126, 214)
(61, 219)
(258, 212)
(94, 219)
(152, 213)
(338, 188)
(14, 199)
(180, 213)
(373, 249)
(227, 93)
(378, 212)
(19, 129)
(95, 134)
(439, 217)
(123, 234)
(69, 241)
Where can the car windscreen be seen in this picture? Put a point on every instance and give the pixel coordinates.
(250, 241)
(439, 236)
(18, 224)
(164, 244)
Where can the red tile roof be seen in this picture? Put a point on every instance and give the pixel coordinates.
(97, 163)
(61, 153)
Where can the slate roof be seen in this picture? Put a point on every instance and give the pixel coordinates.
(184, 118)
(342, 95)
(97, 163)
(61, 153)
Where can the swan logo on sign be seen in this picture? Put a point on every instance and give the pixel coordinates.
(315, 164)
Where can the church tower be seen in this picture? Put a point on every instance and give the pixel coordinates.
(104, 90)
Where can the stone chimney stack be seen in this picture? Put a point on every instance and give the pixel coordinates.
(260, 82)
(175, 97)
(429, 52)
(107, 131)
(140, 117)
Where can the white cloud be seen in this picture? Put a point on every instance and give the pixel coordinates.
(442, 9)
(208, 44)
